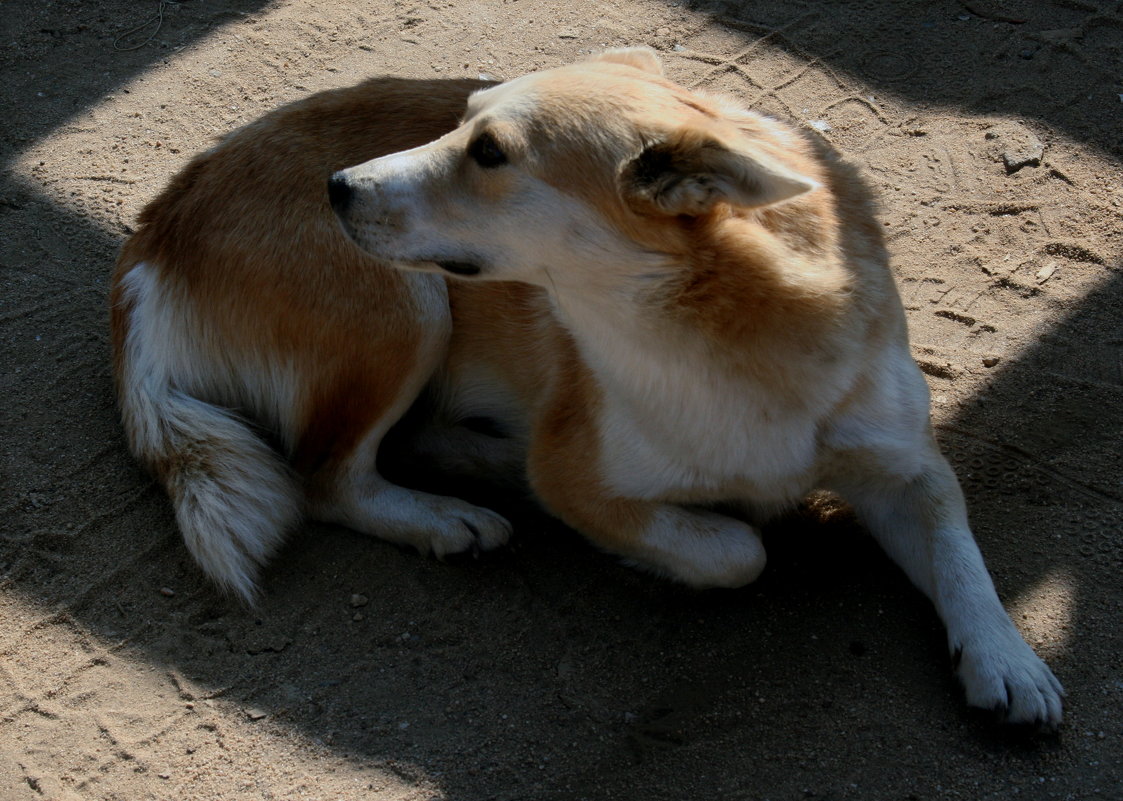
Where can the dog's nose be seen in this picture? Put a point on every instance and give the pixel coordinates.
(339, 193)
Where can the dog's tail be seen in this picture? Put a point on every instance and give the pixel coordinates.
(234, 496)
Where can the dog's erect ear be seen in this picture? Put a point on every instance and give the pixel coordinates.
(642, 58)
(691, 172)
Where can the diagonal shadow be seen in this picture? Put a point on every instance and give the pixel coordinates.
(547, 671)
(89, 33)
(1056, 62)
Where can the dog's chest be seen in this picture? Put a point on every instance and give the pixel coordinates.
(684, 429)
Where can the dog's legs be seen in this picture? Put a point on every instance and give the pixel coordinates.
(920, 519)
(700, 548)
(360, 499)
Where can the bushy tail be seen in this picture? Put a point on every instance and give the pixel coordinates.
(235, 497)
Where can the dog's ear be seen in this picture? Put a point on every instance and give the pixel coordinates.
(642, 58)
(690, 173)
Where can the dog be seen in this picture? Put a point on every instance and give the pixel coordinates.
(666, 304)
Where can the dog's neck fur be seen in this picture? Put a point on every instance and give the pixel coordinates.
(711, 310)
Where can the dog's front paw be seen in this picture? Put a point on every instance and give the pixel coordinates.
(701, 549)
(1004, 674)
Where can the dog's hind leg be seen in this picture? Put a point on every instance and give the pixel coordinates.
(911, 502)
(351, 493)
(356, 404)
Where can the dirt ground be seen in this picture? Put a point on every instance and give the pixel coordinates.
(992, 131)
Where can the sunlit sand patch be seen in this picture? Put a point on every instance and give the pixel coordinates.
(1045, 612)
(110, 716)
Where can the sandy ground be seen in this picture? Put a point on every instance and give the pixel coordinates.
(548, 671)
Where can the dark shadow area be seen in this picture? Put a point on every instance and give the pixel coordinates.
(90, 34)
(548, 671)
(1047, 62)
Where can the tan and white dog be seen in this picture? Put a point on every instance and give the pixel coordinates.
(667, 304)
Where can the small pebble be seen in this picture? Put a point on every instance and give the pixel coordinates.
(1018, 146)
(357, 616)
(1028, 155)
(167, 592)
(1045, 273)
(253, 713)
(359, 600)
(991, 361)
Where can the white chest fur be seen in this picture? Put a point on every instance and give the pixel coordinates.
(700, 435)
(678, 423)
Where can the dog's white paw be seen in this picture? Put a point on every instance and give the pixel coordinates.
(434, 524)
(464, 527)
(701, 549)
(1004, 674)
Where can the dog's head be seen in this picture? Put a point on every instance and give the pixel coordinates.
(563, 176)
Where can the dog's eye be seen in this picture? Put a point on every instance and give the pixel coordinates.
(486, 152)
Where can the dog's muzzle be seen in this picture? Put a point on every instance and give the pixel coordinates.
(341, 195)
